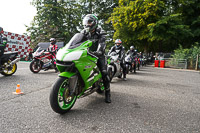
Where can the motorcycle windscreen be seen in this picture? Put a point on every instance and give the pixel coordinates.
(76, 41)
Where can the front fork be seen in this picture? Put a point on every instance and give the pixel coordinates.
(73, 81)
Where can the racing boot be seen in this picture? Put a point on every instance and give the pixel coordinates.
(106, 82)
(56, 70)
(107, 96)
(124, 77)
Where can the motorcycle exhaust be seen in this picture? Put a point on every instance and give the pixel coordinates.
(14, 61)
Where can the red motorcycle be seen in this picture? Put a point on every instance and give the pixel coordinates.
(42, 59)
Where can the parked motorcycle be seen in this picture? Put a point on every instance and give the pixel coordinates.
(8, 60)
(42, 59)
(114, 68)
(8, 64)
(79, 75)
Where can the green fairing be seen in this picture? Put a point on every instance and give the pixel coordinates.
(85, 65)
(108, 61)
(66, 74)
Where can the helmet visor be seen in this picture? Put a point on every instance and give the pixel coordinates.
(87, 22)
(118, 44)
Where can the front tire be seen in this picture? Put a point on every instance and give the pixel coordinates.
(61, 100)
(110, 74)
(127, 68)
(9, 71)
(35, 66)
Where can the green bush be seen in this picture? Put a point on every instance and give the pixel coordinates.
(192, 52)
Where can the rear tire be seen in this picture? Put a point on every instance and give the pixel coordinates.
(60, 99)
(120, 76)
(138, 66)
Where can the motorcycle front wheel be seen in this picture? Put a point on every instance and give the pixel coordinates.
(10, 70)
(35, 66)
(61, 100)
(110, 74)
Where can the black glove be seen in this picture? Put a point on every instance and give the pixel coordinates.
(97, 53)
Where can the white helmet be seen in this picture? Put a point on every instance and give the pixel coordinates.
(131, 47)
(118, 43)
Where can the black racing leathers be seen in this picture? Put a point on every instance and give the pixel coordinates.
(98, 49)
(121, 53)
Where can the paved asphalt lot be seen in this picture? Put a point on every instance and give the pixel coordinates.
(151, 101)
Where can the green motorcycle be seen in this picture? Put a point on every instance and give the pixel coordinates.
(79, 75)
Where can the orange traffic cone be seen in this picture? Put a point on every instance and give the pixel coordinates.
(18, 90)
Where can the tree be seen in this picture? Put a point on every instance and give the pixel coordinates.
(131, 19)
(58, 19)
(169, 32)
(190, 10)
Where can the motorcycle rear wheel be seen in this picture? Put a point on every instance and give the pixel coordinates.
(9, 72)
(120, 76)
(60, 99)
(35, 66)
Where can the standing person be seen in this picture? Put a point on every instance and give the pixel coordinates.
(30, 55)
(118, 46)
(53, 48)
(97, 36)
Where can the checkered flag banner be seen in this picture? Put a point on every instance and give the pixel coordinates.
(16, 42)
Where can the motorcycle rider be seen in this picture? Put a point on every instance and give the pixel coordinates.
(118, 46)
(53, 48)
(131, 51)
(97, 36)
(133, 54)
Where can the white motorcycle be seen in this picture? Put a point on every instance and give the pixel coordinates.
(130, 64)
(114, 68)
